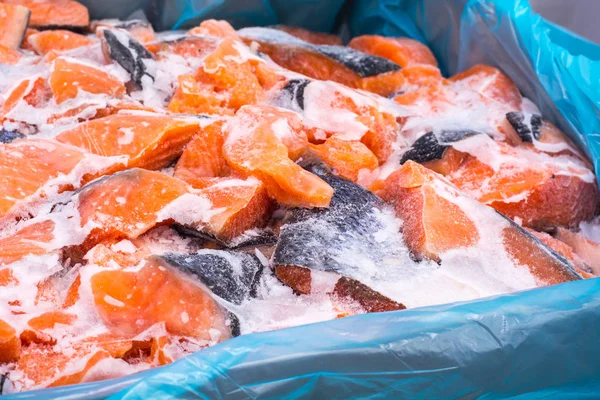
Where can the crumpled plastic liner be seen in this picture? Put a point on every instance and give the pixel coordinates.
(538, 344)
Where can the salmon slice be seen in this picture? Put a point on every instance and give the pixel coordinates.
(149, 141)
(346, 158)
(212, 27)
(86, 112)
(55, 14)
(564, 250)
(125, 204)
(10, 345)
(68, 77)
(532, 190)
(586, 249)
(492, 83)
(331, 109)
(438, 218)
(9, 56)
(225, 82)
(255, 145)
(13, 24)
(34, 239)
(58, 40)
(187, 46)
(349, 229)
(45, 366)
(239, 205)
(140, 30)
(324, 62)
(129, 302)
(401, 50)
(422, 75)
(202, 160)
(39, 328)
(34, 91)
(46, 160)
(310, 36)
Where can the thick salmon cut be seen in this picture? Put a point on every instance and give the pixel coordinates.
(338, 235)
(125, 204)
(255, 145)
(330, 109)
(131, 301)
(13, 25)
(324, 62)
(43, 366)
(310, 36)
(215, 28)
(33, 240)
(55, 14)
(566, 251)
(59, 40)
(33, 91)
(9, 56)
(10, 345)
(39, 329)
(147, 140)
(586, 249)
(492, 83)
(346, 158)
(187, 46)
(68, 78)
(226, 81)
(401, 50)
(239, 205)
(522, 184)
(438, 218)
(46, 160)
(419, 75)
(202, 161)
(140, 30)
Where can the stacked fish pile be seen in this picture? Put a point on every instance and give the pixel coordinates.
(164, 192)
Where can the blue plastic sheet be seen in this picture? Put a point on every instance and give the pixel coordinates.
(538, 344)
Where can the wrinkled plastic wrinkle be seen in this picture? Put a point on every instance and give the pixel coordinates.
(540, 342)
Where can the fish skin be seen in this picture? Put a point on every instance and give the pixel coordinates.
(527, 133)
(365, 65)
(216, 272)
(352, 215)
(430, 147)
(131, 57)
(565, 264)
(292, 94)
(9, 136)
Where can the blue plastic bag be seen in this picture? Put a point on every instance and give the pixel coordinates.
(537, 344)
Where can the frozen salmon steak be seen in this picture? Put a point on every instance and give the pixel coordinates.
(357, 225)
(325, 62)
(55, 14)
(438, 218)
(273, 135)
(58, 40)
(13, 25)
(147, 140)
(68, 77)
